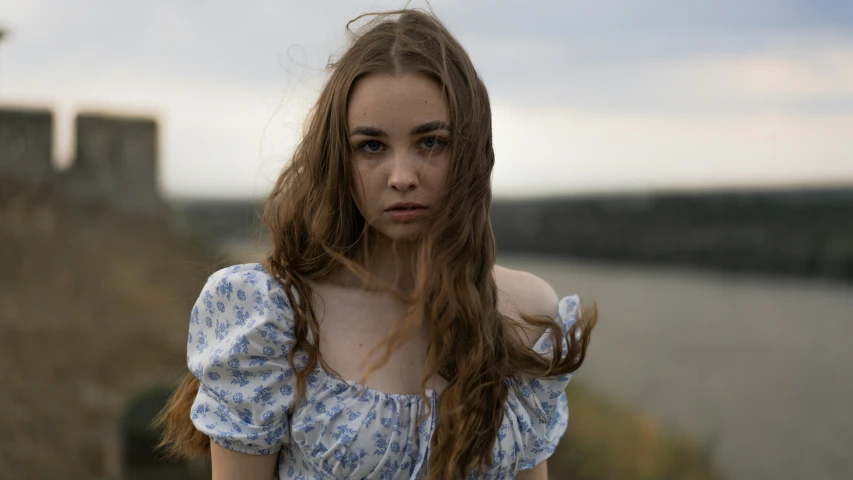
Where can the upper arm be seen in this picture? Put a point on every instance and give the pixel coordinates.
(245, 394)
(522, 292)
(539, 472)
(536, 296)
(230, 465)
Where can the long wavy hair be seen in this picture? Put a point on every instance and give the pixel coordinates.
(316, 229)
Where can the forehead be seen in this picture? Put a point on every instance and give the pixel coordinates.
(389, 101)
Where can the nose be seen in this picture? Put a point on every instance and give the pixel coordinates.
(404, 174)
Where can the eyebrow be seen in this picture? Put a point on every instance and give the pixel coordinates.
(419, 130)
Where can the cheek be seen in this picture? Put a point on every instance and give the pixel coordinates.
(441, 174)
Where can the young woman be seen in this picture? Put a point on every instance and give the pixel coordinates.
(382, 256)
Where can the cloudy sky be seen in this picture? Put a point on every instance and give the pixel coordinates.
(587, 96)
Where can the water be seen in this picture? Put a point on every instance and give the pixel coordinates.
(760, 368)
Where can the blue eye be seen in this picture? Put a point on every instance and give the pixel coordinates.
(433, 143)
(371, 147)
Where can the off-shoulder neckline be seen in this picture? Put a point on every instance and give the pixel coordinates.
(355, 387)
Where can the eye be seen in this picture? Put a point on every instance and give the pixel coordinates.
(433, 143)
(371, 147)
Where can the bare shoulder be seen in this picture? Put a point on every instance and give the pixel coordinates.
(529, 293)
(524, 292)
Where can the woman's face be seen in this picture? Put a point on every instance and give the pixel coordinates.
(399, 130)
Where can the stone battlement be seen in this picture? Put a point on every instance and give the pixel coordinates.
(26, 143)
(115, 159)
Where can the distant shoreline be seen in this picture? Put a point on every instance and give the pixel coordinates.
(795, 233)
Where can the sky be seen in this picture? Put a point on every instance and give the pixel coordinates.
(605, 96)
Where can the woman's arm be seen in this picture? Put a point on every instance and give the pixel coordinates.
(524, 292)
(539, 472)
(230, 465)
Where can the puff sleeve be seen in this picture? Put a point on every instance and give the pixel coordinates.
(541, 412)
(241, 332)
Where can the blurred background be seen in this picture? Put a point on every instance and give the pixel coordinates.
(686, 164)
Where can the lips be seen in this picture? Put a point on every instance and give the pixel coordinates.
(405, 212)
(403, 207)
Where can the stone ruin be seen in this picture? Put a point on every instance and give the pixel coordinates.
(115, 159)
(115, 162)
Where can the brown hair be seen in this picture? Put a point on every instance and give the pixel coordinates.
(316, 228)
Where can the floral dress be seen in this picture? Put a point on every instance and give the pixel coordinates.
(240, 335)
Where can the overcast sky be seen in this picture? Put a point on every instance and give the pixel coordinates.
(587, 96)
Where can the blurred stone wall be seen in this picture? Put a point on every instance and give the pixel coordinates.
(116, 157)
(26, 143)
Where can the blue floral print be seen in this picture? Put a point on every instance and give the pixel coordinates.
(339, 431)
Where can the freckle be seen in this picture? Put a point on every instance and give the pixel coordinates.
(359, 344)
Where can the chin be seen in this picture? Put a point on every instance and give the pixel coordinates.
(405, 232)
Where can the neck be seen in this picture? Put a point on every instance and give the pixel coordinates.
(389, 263)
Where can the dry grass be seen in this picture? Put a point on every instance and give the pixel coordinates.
(609, 441)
